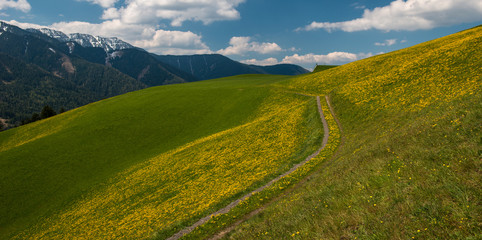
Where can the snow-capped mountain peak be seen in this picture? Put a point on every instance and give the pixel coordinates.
(108, 44)
(55, 34)
(5, 27)
(86, 40)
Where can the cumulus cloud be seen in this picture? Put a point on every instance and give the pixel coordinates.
(264, 62)
(242, 45)
(174, 42)
(388, 42)
(139, 22)
(311, 59)
(330, 58)
(21, 5)
(177, 11)
(111, 13)
(24, 25)
(102, 3)
(409, 15)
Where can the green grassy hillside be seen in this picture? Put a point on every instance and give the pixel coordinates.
(150, 160)
(410, 160)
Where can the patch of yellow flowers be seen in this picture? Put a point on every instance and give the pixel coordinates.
(258, 199)
(409, 79)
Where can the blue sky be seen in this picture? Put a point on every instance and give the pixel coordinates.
(266, 32)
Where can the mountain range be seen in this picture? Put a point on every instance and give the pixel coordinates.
(209, 66)
(71, 70)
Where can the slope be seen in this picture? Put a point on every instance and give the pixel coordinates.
(91, 81)
(151, 160)
(280, 69)
(140, 65)
(409, 166)
(19, 80)
(116, 53)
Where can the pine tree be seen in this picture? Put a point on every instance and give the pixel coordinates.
(35, 117)
(47, 112)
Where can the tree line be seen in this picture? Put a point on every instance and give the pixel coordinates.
(46, 112)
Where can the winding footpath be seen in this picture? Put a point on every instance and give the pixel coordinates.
(226, 209)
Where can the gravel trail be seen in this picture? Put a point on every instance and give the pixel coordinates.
(237, 201)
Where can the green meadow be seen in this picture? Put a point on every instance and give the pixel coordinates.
(163, 156)
(404, 164)
(409, 163)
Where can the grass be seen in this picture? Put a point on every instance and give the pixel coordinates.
(409, 167)
(261, 198)
(147, 161)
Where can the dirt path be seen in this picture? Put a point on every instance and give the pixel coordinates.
(325, 164)
(236, 202)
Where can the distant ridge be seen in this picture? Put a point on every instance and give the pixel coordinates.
(201, 67)
(209, 66)
(36, 70)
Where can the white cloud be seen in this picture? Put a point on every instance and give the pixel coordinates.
(264, 62)
(309, 60)
(330, 58)
(177, 11)
(21, 5)
(111, 13)
(24, 25)
(388, 42)
(242, 45)
(139, 23)
(102, 3)
(358, 5)
(174, 42)
(409, 15)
